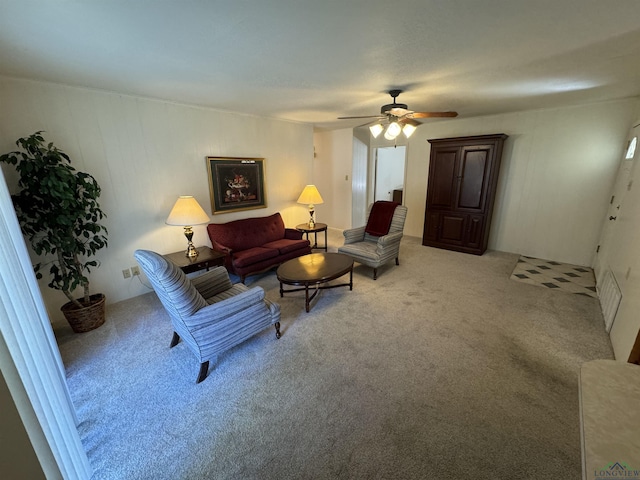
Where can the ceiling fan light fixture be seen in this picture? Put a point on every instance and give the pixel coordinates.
(376, 130)
(393, 130)
(408, 130)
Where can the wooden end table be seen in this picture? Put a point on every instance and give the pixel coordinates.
(206, 259)
(314, 270)
(318, 227)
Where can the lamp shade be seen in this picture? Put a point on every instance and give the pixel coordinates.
(376, 130)
(310, 196)
(393, 130)
(408, 130)
(187, 211)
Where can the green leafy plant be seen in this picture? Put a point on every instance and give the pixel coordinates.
(59, 213)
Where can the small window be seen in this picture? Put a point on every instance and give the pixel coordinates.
(631, 150)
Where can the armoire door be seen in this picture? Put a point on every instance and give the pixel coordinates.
(442, 194)
(452, 228)
(473, 176)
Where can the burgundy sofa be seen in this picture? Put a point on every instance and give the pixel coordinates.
(253, 245)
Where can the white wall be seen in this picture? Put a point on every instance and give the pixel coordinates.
(145, 153)
(557, 170)
(332, 175)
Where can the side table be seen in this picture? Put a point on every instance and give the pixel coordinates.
(206, 259)
(318, 227)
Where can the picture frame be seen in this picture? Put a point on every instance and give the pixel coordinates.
(236, 183)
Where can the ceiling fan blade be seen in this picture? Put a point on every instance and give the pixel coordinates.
(368, 123)
(433, 114)
(410, 121)
(363, 116)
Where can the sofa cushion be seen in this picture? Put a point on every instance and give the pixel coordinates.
(286, 246)
(248, 232)
(250, 256)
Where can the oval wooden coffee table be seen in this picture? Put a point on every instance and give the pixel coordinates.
(314, 270)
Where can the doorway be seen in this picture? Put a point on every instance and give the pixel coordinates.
(389, 173)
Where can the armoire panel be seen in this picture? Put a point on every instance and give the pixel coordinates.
(442, 191)
(452, 227)
(473, 178)
(431, 225)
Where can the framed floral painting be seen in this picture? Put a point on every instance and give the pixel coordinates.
(236, 183)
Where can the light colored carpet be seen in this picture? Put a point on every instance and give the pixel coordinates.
(442, 368)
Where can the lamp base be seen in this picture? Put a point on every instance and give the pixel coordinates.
(312, 222)
(191, 250)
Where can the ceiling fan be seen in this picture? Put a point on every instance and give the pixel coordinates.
(399, 118)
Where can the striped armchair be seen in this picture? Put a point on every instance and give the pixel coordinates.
(375, 251)
(209, 313)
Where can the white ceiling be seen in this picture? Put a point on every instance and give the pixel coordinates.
(314, 60)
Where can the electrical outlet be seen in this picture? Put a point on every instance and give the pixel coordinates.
(126, 273)
(135, 270)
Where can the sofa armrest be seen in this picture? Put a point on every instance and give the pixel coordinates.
(352, 235)
(213, 282)
(220, 247)
(292, 234)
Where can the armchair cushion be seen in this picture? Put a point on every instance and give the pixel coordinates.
(212, 282)
(222, 308)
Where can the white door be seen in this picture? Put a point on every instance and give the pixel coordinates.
(622, 185)
(611, 264)
(390, 167)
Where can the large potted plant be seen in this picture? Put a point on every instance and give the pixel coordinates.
(58, 210)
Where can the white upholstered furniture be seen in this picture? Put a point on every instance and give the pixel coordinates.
(610, 419)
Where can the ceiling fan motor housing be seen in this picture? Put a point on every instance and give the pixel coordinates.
(390, 106)
(395, 109)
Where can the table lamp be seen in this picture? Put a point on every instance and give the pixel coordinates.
(185, 213)
(310, 196)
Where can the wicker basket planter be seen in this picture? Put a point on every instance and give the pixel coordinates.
(86, 318)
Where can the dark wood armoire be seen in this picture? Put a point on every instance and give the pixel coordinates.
(463, 176)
